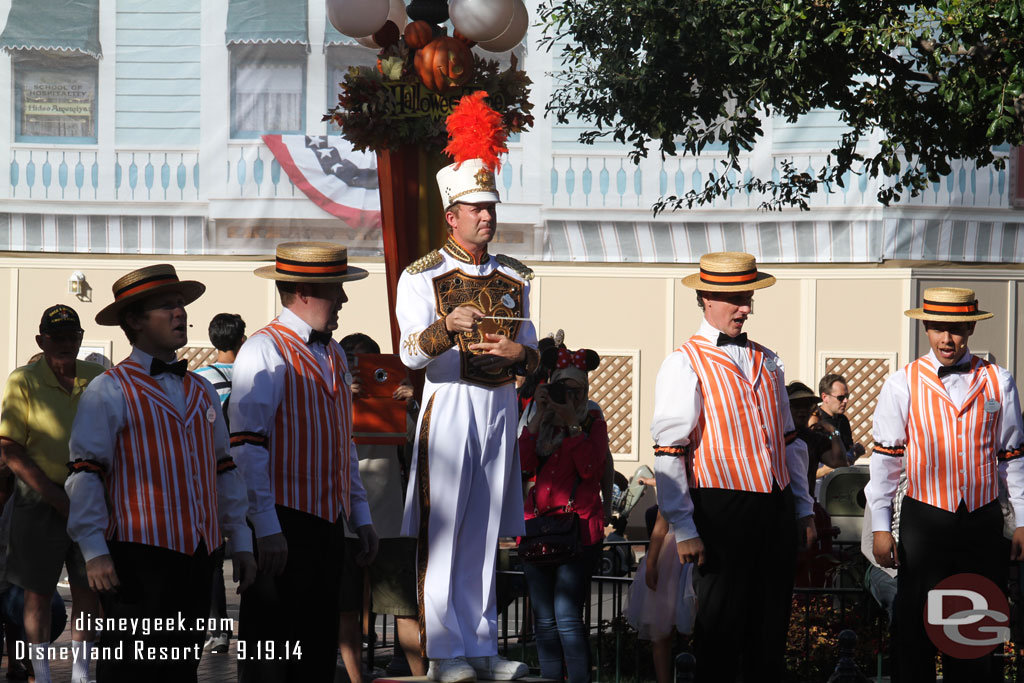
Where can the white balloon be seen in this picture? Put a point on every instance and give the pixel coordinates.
(514, 34)
(357, 18)
(481, 20)
(397, 14)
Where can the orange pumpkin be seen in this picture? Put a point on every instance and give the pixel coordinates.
(467, 41)
(418, 34)
(444, 64)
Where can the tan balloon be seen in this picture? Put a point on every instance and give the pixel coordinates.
(357, 18)
(481, 20)
(515, 32)
(397, 14)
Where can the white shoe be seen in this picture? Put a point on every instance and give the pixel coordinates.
(496, 668)
(455, 670)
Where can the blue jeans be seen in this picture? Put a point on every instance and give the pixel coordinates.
(557, 596)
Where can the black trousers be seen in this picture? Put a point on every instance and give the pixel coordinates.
(745, 587)
(157, 585)
(935, 544)
(218, 596)
(288, 624)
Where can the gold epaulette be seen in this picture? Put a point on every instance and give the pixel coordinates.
(515, 265)
(425, 262)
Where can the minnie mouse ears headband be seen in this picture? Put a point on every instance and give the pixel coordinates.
(560, 358)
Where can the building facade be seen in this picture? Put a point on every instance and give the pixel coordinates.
(135, 132)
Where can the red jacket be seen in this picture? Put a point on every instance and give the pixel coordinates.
(581, 456)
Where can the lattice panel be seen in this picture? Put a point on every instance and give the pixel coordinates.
(611, 386)
(864, 379)
(197, 356)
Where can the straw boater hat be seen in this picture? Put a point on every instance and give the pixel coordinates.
(476, 140)
(728, 271)
(949, 304)
(311, 262)
(146, 282)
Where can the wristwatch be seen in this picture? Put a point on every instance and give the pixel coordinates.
(575, 429)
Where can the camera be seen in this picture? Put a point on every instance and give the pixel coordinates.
(556, 392)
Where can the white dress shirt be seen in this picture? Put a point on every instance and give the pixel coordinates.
(257, 389)
(889, 428)
(102, 415)
(677, 408)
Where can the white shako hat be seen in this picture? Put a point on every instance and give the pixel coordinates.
(469, 182)
(476, 138)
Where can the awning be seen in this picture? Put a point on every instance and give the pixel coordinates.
(333, 37)
(64, 25)
(267, 21)
(891, 234)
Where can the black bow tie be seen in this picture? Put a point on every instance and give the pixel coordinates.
(739, 340)
(318, 337)
(158, 367)
(958, 369)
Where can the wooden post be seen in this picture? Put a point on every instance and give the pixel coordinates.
(410, 213)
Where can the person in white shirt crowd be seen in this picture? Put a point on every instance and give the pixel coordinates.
(952, 421)
(227, 334)
(153, 490)
(732, 477)
(291, 435)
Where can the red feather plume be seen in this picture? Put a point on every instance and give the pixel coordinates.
(475, 131)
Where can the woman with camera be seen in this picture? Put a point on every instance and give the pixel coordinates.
(565, 443)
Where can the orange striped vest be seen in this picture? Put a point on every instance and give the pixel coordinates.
(163, 484)
(309, 445)
(739, 441)
(952, 454)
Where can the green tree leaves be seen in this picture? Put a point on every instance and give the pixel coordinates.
(924, 84)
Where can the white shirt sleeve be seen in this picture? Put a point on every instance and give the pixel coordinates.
(889, 430)
(1011, 438)
(358, 505)
(415, 310)
(257, 388)
(796, 451)
(231, 496)
(677, 406)
(100, 417)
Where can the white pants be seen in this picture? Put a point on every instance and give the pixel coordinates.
(473, 494)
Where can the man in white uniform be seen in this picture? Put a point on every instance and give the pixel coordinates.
(464, 315)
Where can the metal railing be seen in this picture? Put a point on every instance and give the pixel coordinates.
(818, 618)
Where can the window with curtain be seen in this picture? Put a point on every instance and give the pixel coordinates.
(339, 59)
(268, 90)
(54, 96)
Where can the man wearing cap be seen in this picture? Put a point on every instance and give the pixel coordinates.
(291, 422)
(464, 316)
(732, 476)
(952, 421)
(825, 450)
(152, 487)
(39, 405)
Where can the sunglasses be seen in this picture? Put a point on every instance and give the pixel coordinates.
(841, 397)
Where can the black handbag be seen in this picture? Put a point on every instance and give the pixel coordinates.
(553, 538)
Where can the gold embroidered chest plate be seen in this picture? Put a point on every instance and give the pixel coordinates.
(492, 294)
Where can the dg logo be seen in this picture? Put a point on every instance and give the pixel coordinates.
(967, 616)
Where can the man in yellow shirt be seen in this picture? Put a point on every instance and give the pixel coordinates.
(39, 405)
